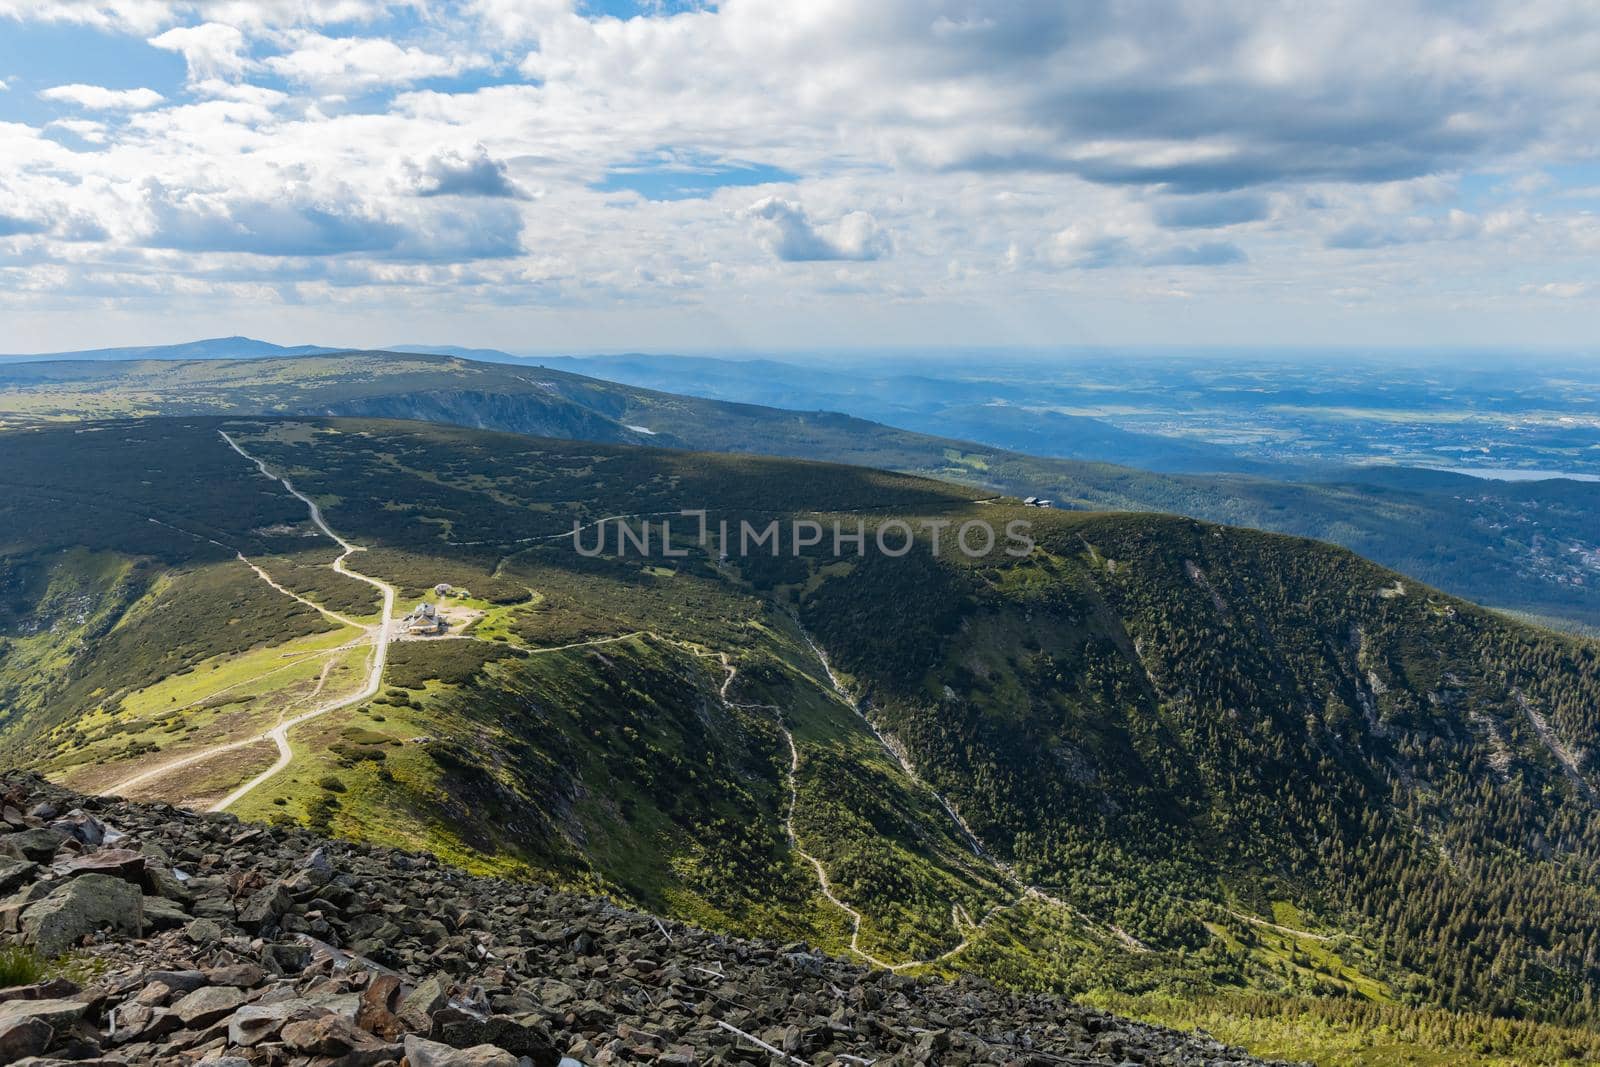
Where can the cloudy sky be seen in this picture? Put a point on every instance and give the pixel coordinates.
(770, 174)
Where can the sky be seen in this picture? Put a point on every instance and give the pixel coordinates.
(556, 175)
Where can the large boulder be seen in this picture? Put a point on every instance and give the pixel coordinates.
(418, 1007)
(207, 1005)
(79, 907)
(38, 844)
(255, 1023)
(20, 1038)
(326, 1035)
(117, 862)
(27, 1026)
(265, 906)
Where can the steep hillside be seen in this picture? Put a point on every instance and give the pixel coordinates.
(1149, 759)
(1517, 546)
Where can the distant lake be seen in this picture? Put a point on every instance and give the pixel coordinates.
(1516, 474)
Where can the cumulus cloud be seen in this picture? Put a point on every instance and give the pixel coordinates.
(1126, 242)
(267, 227)
(145, 17)
(88, 129)
(211, 50)
(788, 233)
(4, 86)
(305, 226)
(99, 98)
(465, 174)
(135, 16)
(353, 65)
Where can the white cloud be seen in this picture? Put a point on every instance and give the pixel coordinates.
(339, 223)
(351, 65)
(213, 51)
(788, 233)
(4, 86)
(976, 164)
(1453, 225)
(146, 17)
(88, 129)
(472, 173)
(1562, 290)
(99, 98)
(133, 16)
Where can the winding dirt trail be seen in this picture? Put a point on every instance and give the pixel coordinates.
(1005, 870)
(376, 634)
(824, 883)
(380, 634)
(1257, 920)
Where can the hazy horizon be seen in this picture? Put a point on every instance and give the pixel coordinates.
(891, 353)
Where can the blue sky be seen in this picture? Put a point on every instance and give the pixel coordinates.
(623, 174)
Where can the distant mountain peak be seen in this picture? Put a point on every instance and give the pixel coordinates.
(235, 347)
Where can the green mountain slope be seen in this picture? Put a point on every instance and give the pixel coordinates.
(1516, 546)
(1151, 758)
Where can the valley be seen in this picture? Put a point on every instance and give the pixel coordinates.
(1152, 760)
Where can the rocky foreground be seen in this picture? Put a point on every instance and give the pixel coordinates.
(199, 939)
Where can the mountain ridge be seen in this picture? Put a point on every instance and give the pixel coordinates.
(1223, 756)
(235, 347)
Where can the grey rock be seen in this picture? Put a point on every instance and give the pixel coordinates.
(85, 827)
(139, 1021)
(423, 1053)
(556, 993)
(316, 871)
(118, 862)
(207, 1005)
(163, 914)
(58, 1013)
(418, 1006)
(238, 975)
(327, 1035)
(185, 981)
(521, 1039)
(15, 872)
(265, 906)
(79, 907)
(38, 844)
(24, 1037)
(255, 1023)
